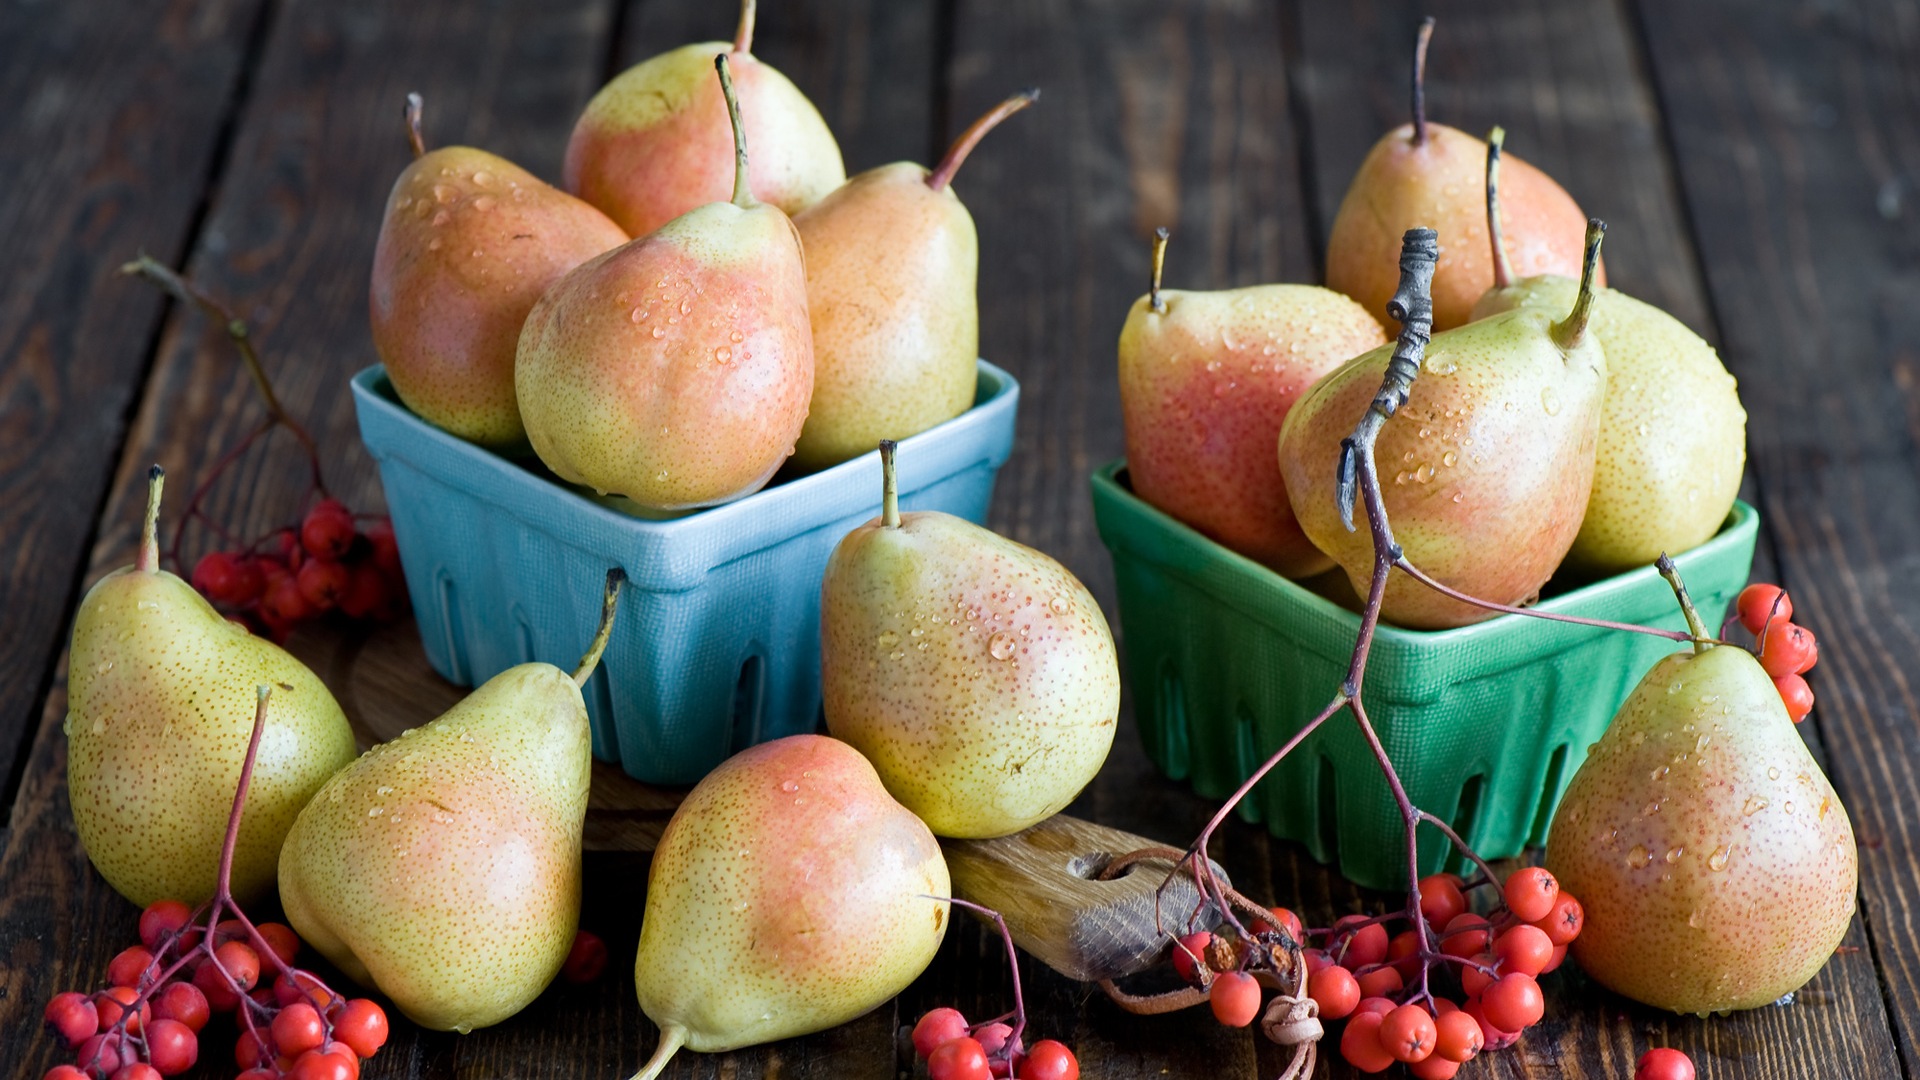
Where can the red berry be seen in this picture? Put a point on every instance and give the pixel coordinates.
(1315, 959)
(1407, 1033)
(220, 995)
(1530, 893)
(65, 1072)
(1787, 649)
(337, 1049)
(993, 1039)
(259, 1074)
(1360, 1044)
(281, 939)
(139, 1070)
(298, 1028)
(1524, 948)
(1457, 1036)
(184, 1002)
(112, 1003)
(323, 582)
(362, 1026)
(386, 550)
(1364, 945)
(1051, 1060)
(1189, 954)
(958, 1059)
(72, 1016)
(103, 1054)
(1434, 1068)
(1440, 899)
(172, 1047)
(1378, 1006)
(251, 1049)
(284, 605)
(303, 986)
(1403, 953)
(241, 962)
(1756, 606)
(126, 968)
(1235, 998)
(314, 1065)
(1466, 934)
(1514, 1002)
(328, 530)
(1664, 1064)
(367, 592)
(1381, 982)
(229, 577)
(586, 959)
(1796, 695)
(1564, 922)
(936, 1027)
(1335, 990)
(1473, 979)
(161, 918)
(1559, 957)
(1492, 1038)
(1284, 920)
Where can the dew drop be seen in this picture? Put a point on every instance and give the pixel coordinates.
(896, 654)
(918, 630)
(1550, 401)
(484, 202)
(921, 645)
(444, 193)
(736, 337)
(1638, 857)
(1674, 855)
(661, 475)
(1658, 774)
(376, 811)
(722, 354)
(1213, 365)
(441, 217)
(99, 725)
(1694, 920)
(1449, 458)
(789, 787)
(103, 667)
(482, 178)
(1001, 645)
(1459, 496)
(1787, 806)
(1401, 476)
(383, 789)
(637, 314)
(887, 639)
(1718, 860)
(1424, 473)
(659, 331)
(1773, 772)
(1059, 605)
(1700, 743)
(1609, 838)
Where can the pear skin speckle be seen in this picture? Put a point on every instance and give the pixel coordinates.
(161, 702)
(443, 866)
(977, 674)
(1716, 864)
(788, 895)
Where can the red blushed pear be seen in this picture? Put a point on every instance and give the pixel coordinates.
(1429, 175)
(892, 260)
(789, 894)
(1485, 471)
(469, 242)
(1206, 378)
(651, 144)
(675, 370)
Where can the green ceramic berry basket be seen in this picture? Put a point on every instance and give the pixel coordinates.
(1485, 723)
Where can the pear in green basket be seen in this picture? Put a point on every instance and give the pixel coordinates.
(977, 674)
(469, 241)
(675, 370)
(789, 894)
(1673, 437)
(892, 259)
(652, 143)
(1484, 471)
(160, 704)
(1206, 378)
(1716, 864)
(443, 867)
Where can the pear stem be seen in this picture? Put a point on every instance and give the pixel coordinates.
(415, 139)
(889, 486)
(743, 35)
(1154, 301)
(149, 558)
(1502, 269)
(609, 602)
(1420, 40)
(1702, 641)
(1569, 332)
(942, 174)
(672, 1038)
(742, 190)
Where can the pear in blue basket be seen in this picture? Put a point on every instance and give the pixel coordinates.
(977, 674)
(1673, 436)
(160, 708)
(443, 867)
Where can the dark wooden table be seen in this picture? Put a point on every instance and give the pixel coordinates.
(1759, 163)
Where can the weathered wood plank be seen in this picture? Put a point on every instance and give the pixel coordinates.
(1794, 133)
(111, 137)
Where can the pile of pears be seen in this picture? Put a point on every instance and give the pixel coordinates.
(707, 296)
(1555, 421)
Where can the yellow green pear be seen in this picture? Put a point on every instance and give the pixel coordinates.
(977, 674)
(1484, 471)
(789, 894)
(892, 260)
(443, 867)
(160, 704)
(1673, 435)
(1716, 865)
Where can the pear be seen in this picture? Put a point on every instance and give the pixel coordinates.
(160, 705)
(675, 370)
(1205, 380)
(1673, 436)
(892, 258)
(443, 867)
(1716, 864)
(788, 894)
(468, 243)
(1428, 174)
(977, 674)
(650, 145)
(1484, 471)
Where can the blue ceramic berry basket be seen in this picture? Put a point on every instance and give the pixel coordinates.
(717, 643)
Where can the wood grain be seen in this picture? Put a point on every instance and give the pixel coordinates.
(110, 140)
